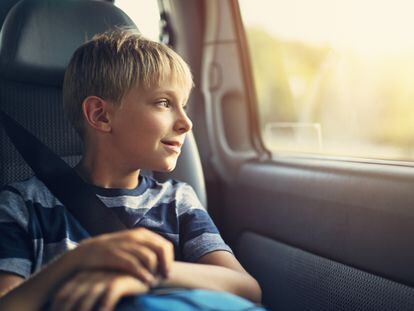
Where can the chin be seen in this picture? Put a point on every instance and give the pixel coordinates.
(167, 168)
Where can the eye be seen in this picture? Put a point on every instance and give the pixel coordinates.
(164, 103)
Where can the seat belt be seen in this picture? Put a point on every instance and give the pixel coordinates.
(62, 180)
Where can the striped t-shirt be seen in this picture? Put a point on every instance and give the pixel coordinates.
(35, 227)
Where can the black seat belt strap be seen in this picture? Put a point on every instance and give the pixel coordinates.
(62, 180)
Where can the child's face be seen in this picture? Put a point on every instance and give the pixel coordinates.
(149, 128)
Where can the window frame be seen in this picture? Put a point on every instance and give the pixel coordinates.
(266, 154)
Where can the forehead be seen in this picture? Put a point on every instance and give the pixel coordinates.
(170, 87)
(178, 81)
(167, 74)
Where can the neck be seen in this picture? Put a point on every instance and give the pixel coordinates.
(103, 172)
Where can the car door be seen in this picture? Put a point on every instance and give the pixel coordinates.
(320, 228)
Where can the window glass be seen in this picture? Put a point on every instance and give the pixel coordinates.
(145, 14)
(334, 77)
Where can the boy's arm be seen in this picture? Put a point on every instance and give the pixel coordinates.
(137, 252)
(31, 295)
(8, 281)
(218, 270)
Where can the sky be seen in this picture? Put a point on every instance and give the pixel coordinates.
(366, 26)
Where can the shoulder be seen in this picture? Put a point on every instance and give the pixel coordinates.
(31, 189)
(169, 187)
(13, 204)
(181, 193)
(187, 199)
(15, 197)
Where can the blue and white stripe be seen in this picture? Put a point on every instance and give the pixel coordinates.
(35, 227)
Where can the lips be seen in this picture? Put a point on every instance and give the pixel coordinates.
(172, 145)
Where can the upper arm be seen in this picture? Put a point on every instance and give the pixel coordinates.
(198, 233)
(16, 247)
(8, 281)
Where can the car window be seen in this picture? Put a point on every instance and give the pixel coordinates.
(145, 14)
(334, 77)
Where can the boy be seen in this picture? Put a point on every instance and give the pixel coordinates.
(126, 97)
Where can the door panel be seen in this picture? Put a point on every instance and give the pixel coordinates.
(359, 215)
(293, 279)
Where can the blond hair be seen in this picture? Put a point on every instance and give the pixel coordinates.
(112, 63)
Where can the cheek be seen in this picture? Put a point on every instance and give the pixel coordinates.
(155, 126)
(146, 133)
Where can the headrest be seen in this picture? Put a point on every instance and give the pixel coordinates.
(39, 37)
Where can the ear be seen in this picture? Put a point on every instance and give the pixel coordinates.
(97, 113)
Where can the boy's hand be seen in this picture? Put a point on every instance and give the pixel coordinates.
(138, 252)
(87, 289)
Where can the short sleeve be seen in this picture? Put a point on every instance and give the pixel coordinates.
(198, 233)
(15, 242)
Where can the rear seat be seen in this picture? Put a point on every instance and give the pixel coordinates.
(37, 41)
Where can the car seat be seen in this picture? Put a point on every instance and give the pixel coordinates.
(37, 40)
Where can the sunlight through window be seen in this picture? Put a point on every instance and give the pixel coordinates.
(333, 76)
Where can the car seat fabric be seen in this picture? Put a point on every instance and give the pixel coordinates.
(38, 38)
(36, 43)
(39, 110)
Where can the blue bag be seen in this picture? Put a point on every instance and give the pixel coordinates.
(186, 300)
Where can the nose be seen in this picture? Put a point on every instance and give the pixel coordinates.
(183, 123)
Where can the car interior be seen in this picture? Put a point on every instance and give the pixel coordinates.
(317, 233)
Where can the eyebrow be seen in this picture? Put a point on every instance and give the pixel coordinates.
(167, 92)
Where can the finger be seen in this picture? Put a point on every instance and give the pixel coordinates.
(144, 237)
(121, 260)
(129, 264)
(161, 246)
(71, 301)
(60, 298)
(146, 256)
(119, 288)
(165, 256)
(89, 286)
(87, 302)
